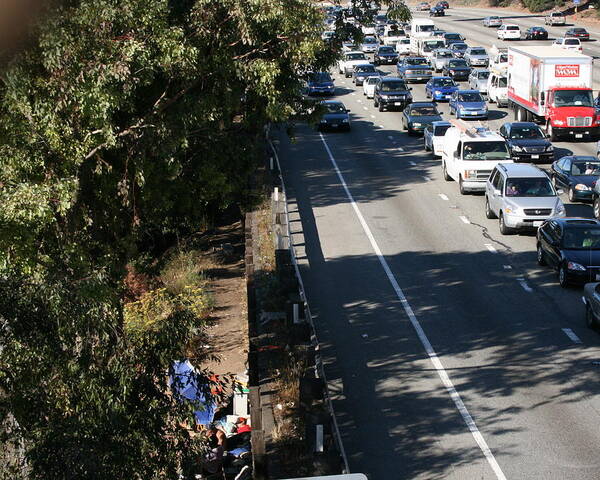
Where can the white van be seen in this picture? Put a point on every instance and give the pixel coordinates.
(497, 88)
(470, 154)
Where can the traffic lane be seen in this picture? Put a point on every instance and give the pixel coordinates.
(523, 349)
(403, 423)
(478, 35)
(471, 206)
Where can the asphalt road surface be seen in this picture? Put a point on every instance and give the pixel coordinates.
(450, 353)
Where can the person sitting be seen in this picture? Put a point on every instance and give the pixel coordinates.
(512, 190)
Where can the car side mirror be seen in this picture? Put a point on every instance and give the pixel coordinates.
(456, 155)
(560, 191)
(347, 110)
(410, 88)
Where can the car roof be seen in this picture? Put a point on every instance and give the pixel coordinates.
(423, 104)
(523, 170)
(355, 51)
(522, 124)
(387, 79)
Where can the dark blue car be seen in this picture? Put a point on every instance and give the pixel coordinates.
(440, 88)
(335, 116)
(577, 174)
(320, 83)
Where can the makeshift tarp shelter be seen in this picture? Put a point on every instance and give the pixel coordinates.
(186, 382)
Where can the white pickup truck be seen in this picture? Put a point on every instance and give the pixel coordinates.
(346, 64)
(470, 154)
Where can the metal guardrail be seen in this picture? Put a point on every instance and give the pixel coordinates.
(319, 369)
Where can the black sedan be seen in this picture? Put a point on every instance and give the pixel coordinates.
(443, 4)
(418, 115)
(458, 49)
(577, 32)
(527, 142)
(577, 174)
(335, 116)
(437, 12)
(385, 55)
(536, 33)
(456, 68)
(572, 247)
(591, 298)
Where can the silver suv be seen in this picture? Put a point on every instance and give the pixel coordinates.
(521, 196)
(477, 57)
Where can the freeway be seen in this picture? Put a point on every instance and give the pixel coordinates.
(450, 353)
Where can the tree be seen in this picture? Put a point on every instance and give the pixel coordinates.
(124, 123)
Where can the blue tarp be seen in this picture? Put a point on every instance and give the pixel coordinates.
(186, 382)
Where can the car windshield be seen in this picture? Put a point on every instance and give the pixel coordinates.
(478, 51)
(386, 50)
(512, 27)
(372, 80)
(365, 68)
(443, 82)
(457, 63)
(573, 98)
(485, 151)
(404, 41)
(440, 130)
(335, 107)
(556, 14)
(453, 36)
(529, 187)
(320, 77)
(470, 97)
(426, 28)
(356, 56)
(416, 61)
(393, 86)
(503, 58)
(579, 30)
(483, 75)
(502, 82)
(571, 41)
(494, 18)
(582, 238)
(521, 133)
(422, 111)
(459, 46)
(370, 40)
(445, 55)
(537, 29)
(585, 166)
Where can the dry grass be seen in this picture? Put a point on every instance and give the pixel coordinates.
(266, 245)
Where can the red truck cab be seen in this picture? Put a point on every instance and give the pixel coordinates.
(570, 111)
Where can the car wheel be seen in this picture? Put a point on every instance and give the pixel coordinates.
(590, 320)
(488, 211)
(447, 177)
(461, 187)
(550, 132)
(504, 230)
(380, 107)
(563, 278)
(571, 195)
(541, 259)
(375, 104)
(597, 208)
(427, 149)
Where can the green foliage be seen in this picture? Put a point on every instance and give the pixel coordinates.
(541, 5)
(125, 124)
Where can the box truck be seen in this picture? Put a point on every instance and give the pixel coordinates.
(553, 87)
(420, 28)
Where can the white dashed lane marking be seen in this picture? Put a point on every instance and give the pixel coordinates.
(571, 334)
(443, 196)
(465, 219)
(524, 285)
(490, 247)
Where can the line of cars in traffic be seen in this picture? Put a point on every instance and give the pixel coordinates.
(498, 163)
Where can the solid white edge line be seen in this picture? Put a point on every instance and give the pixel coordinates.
(571, 334)
(437, 363)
